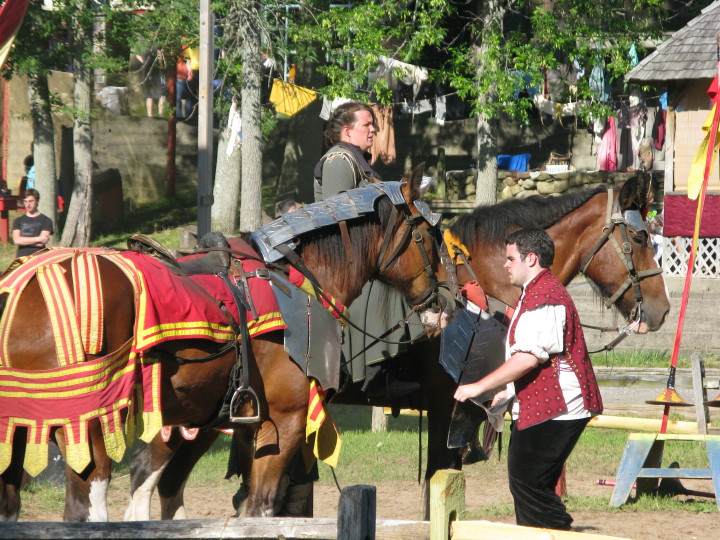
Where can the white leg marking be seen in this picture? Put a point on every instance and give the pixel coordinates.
(98, 500)
(139, 507)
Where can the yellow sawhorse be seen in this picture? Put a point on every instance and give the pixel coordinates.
(642, 459)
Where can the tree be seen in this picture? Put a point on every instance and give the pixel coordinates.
(78, 225)
(486, 50)
(33, 56)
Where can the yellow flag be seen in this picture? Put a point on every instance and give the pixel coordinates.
(697, 169)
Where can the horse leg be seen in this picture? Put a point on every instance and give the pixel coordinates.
(276, 444)
(86, 492)
(174, 476)
(240, 463)
(12, 479)
(147, 464)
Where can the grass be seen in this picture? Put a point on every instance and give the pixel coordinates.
(392, 456)
(649, 359)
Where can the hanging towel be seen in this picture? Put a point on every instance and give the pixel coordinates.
(607, 153)
(383, 146)
(289, 99)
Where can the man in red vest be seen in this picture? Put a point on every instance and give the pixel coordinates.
(548, 370)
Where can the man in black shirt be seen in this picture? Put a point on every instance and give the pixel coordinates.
(31, 232)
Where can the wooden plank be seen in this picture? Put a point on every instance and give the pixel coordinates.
(669, 178)
(698, 474)
(356, 513)
(210, 529)
(683, 437)
(487, 530)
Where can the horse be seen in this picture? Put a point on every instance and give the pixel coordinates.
(585, 226)
(194, 372)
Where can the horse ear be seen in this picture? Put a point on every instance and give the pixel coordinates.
(635, 193)
(413, 182)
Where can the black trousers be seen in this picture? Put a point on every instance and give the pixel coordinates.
(536, 456)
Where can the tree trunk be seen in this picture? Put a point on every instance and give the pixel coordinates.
(226, 192)
(43, 145)
(79, 220)
(491, 13)
(251, 202)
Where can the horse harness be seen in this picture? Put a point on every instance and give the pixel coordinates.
(276, 240)
(632, 220)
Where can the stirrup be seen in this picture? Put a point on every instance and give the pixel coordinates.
(238, 397)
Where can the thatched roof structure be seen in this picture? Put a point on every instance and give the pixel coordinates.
(691, 52)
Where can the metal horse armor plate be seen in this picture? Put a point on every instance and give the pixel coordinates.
(341, 207)
(313, 337)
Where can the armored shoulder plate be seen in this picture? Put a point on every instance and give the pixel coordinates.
(344, 206)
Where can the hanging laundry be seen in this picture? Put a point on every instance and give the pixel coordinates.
(407, 73)
(658, 131)
(607, 152)
(329, 106)
(289, 99)
(598, 85)
(633, 55)
(383, 146)
(440, 108)
(552, 108)
(417, 107)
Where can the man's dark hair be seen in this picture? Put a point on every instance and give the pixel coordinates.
(34, 192)
(343, 116)
(534, 240)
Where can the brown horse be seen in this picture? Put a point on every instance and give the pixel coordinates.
(190, 391)
(584, 229)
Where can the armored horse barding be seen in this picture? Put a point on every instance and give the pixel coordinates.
(183, 380)
(581, 225)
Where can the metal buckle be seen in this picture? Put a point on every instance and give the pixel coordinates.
(262, 273)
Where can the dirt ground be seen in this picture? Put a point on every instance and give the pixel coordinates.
(401, 500)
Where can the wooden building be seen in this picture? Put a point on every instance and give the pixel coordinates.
(685, 65)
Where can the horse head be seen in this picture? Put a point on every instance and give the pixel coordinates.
(419, 273)
(622, 264)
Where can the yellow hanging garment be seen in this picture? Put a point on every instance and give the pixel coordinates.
(289, 99)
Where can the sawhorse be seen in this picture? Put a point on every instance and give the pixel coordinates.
(642, 459)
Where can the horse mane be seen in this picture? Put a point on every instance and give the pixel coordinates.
(329, 242)
(493, 223)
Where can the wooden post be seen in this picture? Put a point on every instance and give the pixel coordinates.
(699, 393)
(205, 120)
(447, 502)
(379, 419)
(669, 178)
(356, 513)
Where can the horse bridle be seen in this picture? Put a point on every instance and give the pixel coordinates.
(437, 290)
(630, 219)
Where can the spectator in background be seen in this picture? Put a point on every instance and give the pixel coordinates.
(153, 80)
(193, 56)
(182, 89)
(31, 232)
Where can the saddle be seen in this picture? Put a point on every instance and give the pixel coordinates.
(214, 261)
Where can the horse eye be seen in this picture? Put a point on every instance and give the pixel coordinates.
(640, 238)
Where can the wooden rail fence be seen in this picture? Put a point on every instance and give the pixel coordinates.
(356, 521)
